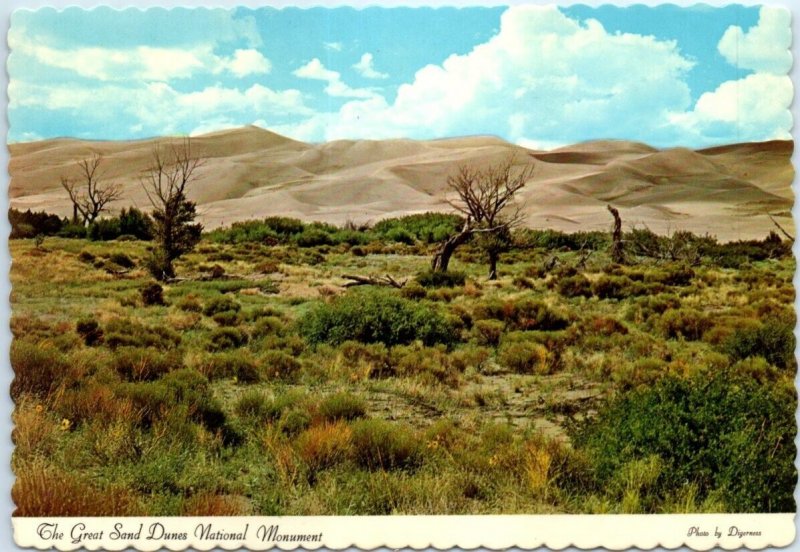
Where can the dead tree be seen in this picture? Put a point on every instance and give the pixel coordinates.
(783, 231)
(166, 184)
(386, 280)
(486, 198)
(88, 192)
(617, 254)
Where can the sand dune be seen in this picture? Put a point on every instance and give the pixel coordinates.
(251, 173)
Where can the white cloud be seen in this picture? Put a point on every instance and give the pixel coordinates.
(764, 47)
(247, 62)
(157, 108)
(335, 46)
(543, 77)
(750, 109)
(366, 69)
(138, 63)
(315, 70)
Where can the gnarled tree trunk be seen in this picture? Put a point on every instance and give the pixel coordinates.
(617, 254)
(494, 256)
(441, 258)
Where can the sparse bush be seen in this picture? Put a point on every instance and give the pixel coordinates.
(313, 237)
(227, 338)
(221, 304)
(229, 365)
(280, 365)
(378, 444)
(324, 446)
(690, 324)
(138, 364)
(294, 421)
(574, 286)
(38, 368)
(152, 294)
(373, 316)
(190, 303)
(488, 332)
(255, 404)
(523, 357)
(342, 406)
(123, 332)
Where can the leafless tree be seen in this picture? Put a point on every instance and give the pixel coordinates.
(166, 182)
(88, 192)
(486, 198)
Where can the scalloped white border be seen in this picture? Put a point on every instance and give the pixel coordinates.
(615, 532)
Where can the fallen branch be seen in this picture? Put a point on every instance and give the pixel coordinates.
(386, 280)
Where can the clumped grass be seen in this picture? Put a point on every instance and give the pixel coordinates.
(141, 364)
(523, 357)
(379, 444)
(38, 368)
(435, 278)
(342, 406)
(227, 338)
(772, 340)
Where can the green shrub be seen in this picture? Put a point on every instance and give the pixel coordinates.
(435, 278)
(226, 318)
(574, 286)
(773, 340)
(294, 421)
(285, 226)
(255, 404)
(152, 294)
(38, 368)
(413, 290)
(221, 304)
(342, 406)
(379, 444)
(488, 332)
(523, 357)
(313, 237)
(690, 324)
(280, 365)
(617, 287)
(140, 364)
(268, 325)
(522, 314)
(400, 235)
(725, 434)
(227, 338)
(426, 227)
(250, 231)
(124, 332)
(190, 303)
(90, 331)
(374, 316)
(230, 364)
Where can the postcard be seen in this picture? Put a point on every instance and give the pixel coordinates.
(385, 276)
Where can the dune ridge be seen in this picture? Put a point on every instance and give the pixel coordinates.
(250, 172)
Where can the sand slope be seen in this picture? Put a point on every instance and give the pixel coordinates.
(252, 173)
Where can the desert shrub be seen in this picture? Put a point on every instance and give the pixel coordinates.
(773, 340)
(285, 226)
(378, 444)
(574, 286)
(413, 290)
(605, 326)
(221, 304)
(227, 338)
(252, 231)
(374, 316)
(152, 294)
(38, 368)
(27, 224)
(190, 303)
(435, 278)
(488, 332)
(554, 239)
(124, 332)
(230, 364)
(523, 357)
(47, 491)
(86, 257)
(617, 287)
(206, 503)
(342, 406)
(723, 433)
(400, 235)
(139, 364)
(426, 227)
(294, 421)
(687, 323)
(280, 365)
(529, 314)
(254, 403)
(469, 356)
(431, 364)
(268, 325)
(226, 318)
(324, 446)
(671, 276)
(644, 371)
(90, 331)
(373, 358)
(313, 237)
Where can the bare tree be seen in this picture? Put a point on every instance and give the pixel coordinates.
(166, 183)
(486, 197)
(88, 192)
(617, 252)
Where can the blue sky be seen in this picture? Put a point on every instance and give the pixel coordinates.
(540, 76)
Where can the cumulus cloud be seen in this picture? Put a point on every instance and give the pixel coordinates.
(138, 63)
(544, 76)
(365, 68)
(764, 47)
(315, 70)
(158, 108)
